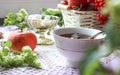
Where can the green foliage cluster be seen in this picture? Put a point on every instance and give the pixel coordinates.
(90, 65)
(17, 18)
(54, 12)
(9, 59)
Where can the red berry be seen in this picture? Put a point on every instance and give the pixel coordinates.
(99, 4)
(102, 19)
(64, 2)
(77, 3)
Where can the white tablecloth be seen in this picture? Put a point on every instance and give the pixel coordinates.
(52, 62)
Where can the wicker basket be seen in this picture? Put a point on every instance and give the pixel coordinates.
(74, 18)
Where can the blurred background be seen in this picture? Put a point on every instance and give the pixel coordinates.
(32, 6)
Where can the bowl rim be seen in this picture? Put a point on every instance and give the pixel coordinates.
(54, 34)
(27, 17)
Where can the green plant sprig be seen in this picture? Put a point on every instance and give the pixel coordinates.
(25, 58)
(91, 62)
(16, 18)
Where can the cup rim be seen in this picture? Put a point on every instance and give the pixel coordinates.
(77, 39)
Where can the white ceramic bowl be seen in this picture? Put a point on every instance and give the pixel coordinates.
(74, 49)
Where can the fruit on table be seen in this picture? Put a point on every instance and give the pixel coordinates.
(22, 38)
(77, 3)
(65, 2)
(99, 4)
(102, 18)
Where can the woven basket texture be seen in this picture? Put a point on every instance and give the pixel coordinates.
(74, 18)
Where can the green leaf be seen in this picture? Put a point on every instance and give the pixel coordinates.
(11, 15)
(90, 62)
(36, 63)
(5, 51)
(17, 19)
(23, 12)
(43, 10)
(54, 12)
(26, 49)
(51, 11)
(112, 31)
(7, 43)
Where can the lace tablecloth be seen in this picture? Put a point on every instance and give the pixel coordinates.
(52, 62)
